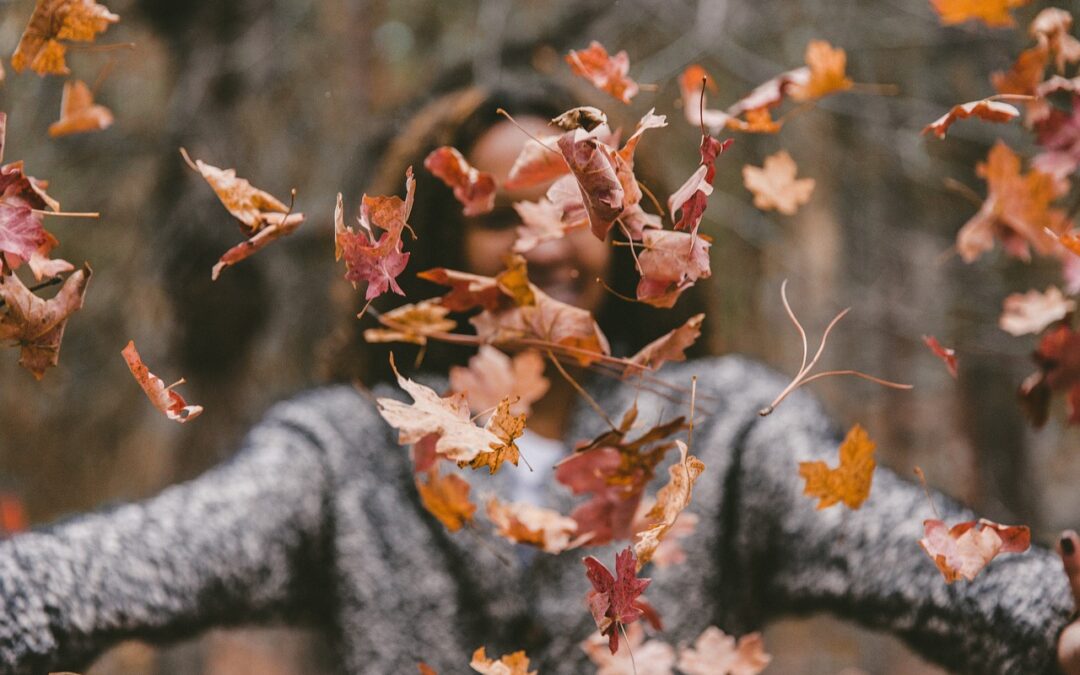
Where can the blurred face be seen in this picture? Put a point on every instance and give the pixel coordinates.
(566, 268)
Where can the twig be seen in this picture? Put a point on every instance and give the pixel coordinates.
(513, 121)
(581, 391)
(922, 479)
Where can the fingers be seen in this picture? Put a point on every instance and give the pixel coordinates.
(1069, 548)
(1069, 650)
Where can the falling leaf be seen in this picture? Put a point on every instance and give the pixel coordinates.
(474, 189)
(466, 290)
(37, 325)
(55, 20)
(850, 481)
(78, 112)
(425, 669)
(507, 427)
(1052, 28)
(716, 653)
(1017, 210)
(670, 551)
(1025, 75)
(691, 198)
(671, 500)
(527, 524)
(653, 657)
(510, 664)
(671, 346)
(593, 165)
(541, 221)
(1033, 311)
(692, 84)
(245, 249)
(607, 73)
(994, 13)
(538, 162)
(164, 398)
(991, 111)
(633, 217)
(492, 376)
(613, 600)
(447, 498)
(670, 262)
(412, 323)
(21, 231)
(42, 265)
(375, 261)
(1058, 359)
(583, 117)
(459, 438)
(251, 206)
(775, 186)
(948, 356)
(965, 549)
(827, 66)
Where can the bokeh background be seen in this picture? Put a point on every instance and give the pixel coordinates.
(294, 93)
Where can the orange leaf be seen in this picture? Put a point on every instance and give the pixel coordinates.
(37, 325)
(533, 525)
(775, 186)
(669, 347)
(377, 261)
(671, 500)
(492, 376)
(412, 323)
(164, 398)
(78, 112)
(447, 498)
(965, 549)
(510, 664)
(425, 669)
(827, 66)
(607, 73)
(991, 111)
(994, 13)
(508, 428)
(947, 355)
(251, 206)
(54, 20)
(850, 481)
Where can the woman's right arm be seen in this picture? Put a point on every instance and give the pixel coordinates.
(244, 541)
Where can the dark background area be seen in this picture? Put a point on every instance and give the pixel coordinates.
(292, 93)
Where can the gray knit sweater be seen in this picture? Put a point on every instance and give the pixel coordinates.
(317, 519)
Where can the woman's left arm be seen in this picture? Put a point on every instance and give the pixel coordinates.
(866, 564)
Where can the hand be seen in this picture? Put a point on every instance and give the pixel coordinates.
(1069, 643)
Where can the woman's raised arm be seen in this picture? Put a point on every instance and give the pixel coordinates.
(242, 542)
(866, 565)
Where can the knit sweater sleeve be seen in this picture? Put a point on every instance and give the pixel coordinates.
(241, 542)
(866, 565)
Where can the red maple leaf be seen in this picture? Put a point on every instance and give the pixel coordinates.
(1058, 358)
(690, 199)
(613, 600)
(376, 261)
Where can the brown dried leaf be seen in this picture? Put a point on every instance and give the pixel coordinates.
(1033, 311)
(37, 325)
(492, 376)
(775, 186)
(671, 500)
(78, 112)
(527, 524)
(164, 398)
(965, 549)
(412, 323)
(447, 498)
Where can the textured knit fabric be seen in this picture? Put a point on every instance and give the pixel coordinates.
(317, 519)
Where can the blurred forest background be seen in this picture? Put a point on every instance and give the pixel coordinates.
(293, 92)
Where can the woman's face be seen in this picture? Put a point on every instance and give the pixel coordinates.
(566, 268)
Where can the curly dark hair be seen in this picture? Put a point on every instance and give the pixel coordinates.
(458, 118)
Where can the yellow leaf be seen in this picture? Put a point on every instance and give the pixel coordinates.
(994, 13)
(447, 498)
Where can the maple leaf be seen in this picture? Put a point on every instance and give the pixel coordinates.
(492, 376)
(459, 439)
(474, 189)
(412, 323)
(466, 290)
(527, 524)
(963, 550)
(1025, 75)
(251, 206)
(1058, 359)
(671, 500)
(37, 325)
(447, 498)
(376, 261)
(1033, 311)
(994, 13)
(1017, 210)
(653, 657)
(21, 232)
(827, 66)
(607, 73)
(716, 653)
(593, 164)
(670, 262)
(670, 551)
(541, 221)
(613, 600)
(42, 265)
(850, 481)
(671, 346)
(774, 185)
(991, 111)
(164, 398)
(1052, 28)
(425, 669)
(78, 112)
(509, 664)
(54, 20)
(245, 249)
(538, 162)
(507, 428)
(947, 355)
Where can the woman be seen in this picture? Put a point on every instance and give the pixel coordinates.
(316, 518)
